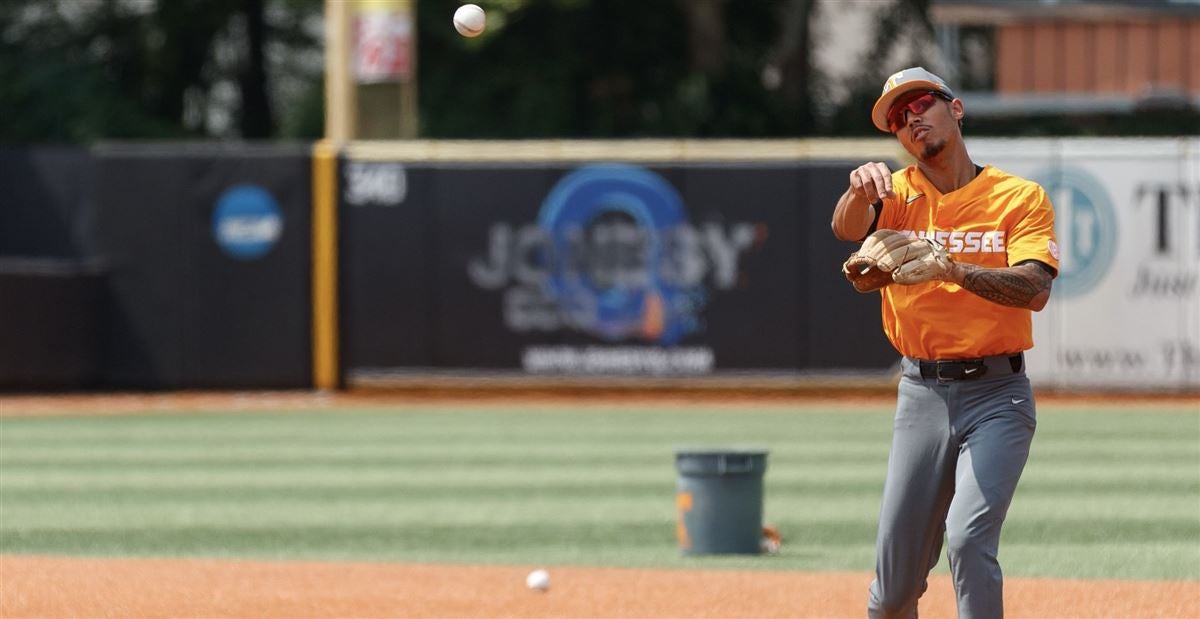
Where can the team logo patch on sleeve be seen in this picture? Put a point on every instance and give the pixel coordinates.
(1053, 247)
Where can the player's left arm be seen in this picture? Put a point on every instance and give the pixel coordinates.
(1026, 284)
(1033, 256)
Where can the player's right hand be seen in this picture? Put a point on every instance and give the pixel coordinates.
(871, 182)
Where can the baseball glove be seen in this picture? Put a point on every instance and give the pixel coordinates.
(933, 265)
(884, 253)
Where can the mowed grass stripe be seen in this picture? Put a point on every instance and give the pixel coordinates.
(1147, 556)
(578, 454)
(429, 486)
(1143, 480)
(287, 511)
(40, 454)
(477, 422)
(649, 544)
(579, 485)
(388, 541)
(165, 477)
(290, 513)
(1145, 523)
(651, 498)
(425, 482)
(1166, 423)
(1108, 559)
(1166, 475)
(386, 439)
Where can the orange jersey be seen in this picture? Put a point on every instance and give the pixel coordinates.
(996, 220)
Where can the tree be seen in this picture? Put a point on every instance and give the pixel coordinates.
(903, 30)
(615, 68)
(84, 70)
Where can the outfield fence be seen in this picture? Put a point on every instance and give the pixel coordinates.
(660, 262)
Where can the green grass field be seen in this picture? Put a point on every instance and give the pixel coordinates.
(1108, 492)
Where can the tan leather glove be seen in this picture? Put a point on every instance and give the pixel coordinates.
(882, 253)
(933, 265)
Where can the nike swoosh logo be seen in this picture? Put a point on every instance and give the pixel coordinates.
(970, 370)
(914, 199)
(1018, 400)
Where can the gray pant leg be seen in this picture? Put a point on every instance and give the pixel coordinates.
(916, 495)
(996, 438)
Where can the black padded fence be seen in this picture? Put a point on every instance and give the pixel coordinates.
(45, 202)
(560, 268)
(52, 312)
(209, 250)
(186, 266)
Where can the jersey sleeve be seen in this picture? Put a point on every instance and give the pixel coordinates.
(1032, 236)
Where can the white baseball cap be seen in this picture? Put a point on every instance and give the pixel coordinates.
(908, 80)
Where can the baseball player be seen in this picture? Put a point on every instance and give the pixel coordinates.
(981, 257)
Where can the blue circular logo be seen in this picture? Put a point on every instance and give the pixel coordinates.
(610, 234)
(246, 222)
(1085, 224)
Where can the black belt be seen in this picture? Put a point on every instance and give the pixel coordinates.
(970, 369)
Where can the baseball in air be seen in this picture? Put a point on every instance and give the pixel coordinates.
(469, 20)
(538, 580)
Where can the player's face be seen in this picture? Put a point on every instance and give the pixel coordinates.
(923, 122)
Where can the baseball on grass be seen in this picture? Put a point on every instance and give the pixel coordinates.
(469, 20)
(538, 580)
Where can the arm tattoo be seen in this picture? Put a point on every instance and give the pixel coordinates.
(1025, 285)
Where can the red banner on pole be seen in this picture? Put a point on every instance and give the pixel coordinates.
(383, 46)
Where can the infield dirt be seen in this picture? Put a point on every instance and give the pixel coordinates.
(32, 586)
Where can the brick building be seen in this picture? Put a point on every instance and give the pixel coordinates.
(1071, 56)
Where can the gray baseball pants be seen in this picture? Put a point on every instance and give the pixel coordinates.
(959, 445)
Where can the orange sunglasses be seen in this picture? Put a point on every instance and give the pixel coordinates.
(919, 105)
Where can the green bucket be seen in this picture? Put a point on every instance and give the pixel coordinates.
(719, 497)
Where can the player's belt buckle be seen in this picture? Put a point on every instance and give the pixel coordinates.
(947, 371)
